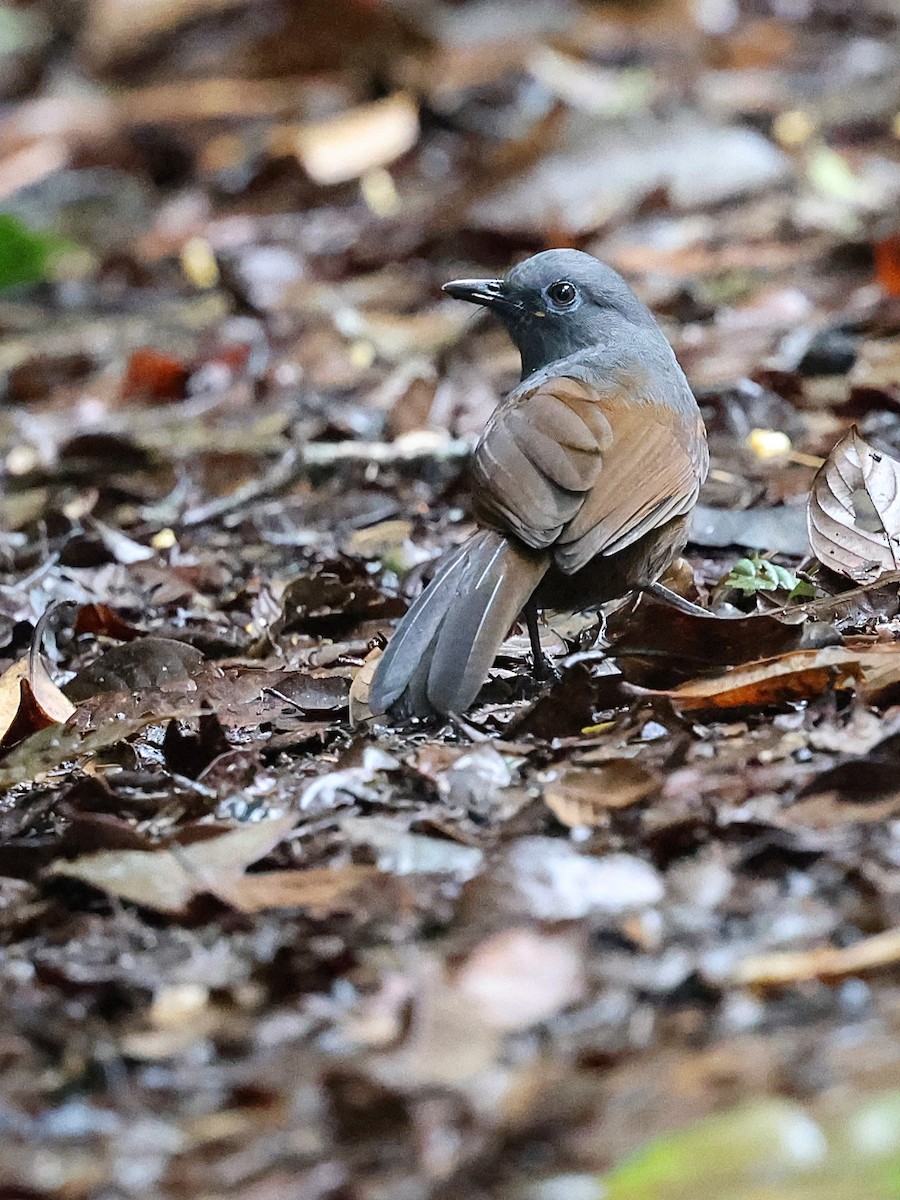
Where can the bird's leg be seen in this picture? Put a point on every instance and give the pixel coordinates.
(538, 664)
(660, 592)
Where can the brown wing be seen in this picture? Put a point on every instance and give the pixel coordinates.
(587, 471)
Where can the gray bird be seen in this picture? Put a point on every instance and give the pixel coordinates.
(583, 478)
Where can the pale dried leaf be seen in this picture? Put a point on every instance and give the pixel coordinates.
(319, 890)
(360, 688)
(521, 976)
(583, 796)
(854, 510)
(345, 147)
(167, 880)
(548, 879)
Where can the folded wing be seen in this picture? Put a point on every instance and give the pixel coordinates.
(586, 470)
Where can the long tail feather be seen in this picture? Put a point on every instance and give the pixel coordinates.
(443, 649)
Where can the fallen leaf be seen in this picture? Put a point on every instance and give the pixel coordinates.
(29, 701)
(361, 686)
(104, 621)
(548, 879)
(887, 264)
(152, 375)
(657, 645)
(400, 852)
(583, 796)
(55, 744)
(520, 977)
(145, 663)
(168, 879)
(598, 170)
(320, 890)
(346, 146)
(799, 675)
(875, 375)
(122, 548)
(854, 510)
(824, 962)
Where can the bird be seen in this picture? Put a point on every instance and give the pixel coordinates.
(583, 479)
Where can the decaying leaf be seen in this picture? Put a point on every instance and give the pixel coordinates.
(360, 687)
(148, 662)
(43, 751)
(168, 879)
(870, 669)
(657, 645)
(854, 510)
(584, 795)
(318, 890)
(29, 701)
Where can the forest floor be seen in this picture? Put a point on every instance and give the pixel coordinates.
(255, 945)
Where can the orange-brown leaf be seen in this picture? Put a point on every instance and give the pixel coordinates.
(29, 701)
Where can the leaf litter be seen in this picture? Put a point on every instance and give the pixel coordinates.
(253, 943)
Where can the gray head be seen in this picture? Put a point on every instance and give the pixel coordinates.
(557, 303)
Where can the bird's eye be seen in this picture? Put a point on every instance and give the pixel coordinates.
(562, 293)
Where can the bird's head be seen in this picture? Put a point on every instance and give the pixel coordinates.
(557, 303)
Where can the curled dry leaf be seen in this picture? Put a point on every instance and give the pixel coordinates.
(360, 687)
(29, 701)
(871, 669)
(797, 676)
(854, 510)
(583, 796)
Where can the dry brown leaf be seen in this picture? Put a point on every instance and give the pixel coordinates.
(824, 962)
(854, 510)
(583, 796)
(360, 687)
(872, 669)
(795, 676)
(29, 701)
(345, 147)
(168, 879)
(319, 890)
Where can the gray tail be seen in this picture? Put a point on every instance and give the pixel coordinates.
(444, 646)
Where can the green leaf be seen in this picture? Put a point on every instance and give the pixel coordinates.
(752, 575)
(26, 255)
(762, 1143)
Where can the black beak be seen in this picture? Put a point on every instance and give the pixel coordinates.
(492, 293)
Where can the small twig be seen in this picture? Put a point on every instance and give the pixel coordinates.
(285, 472)
(270, 691)
(297, 462)
(826, 604)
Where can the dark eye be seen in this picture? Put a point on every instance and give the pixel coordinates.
(562, 293)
